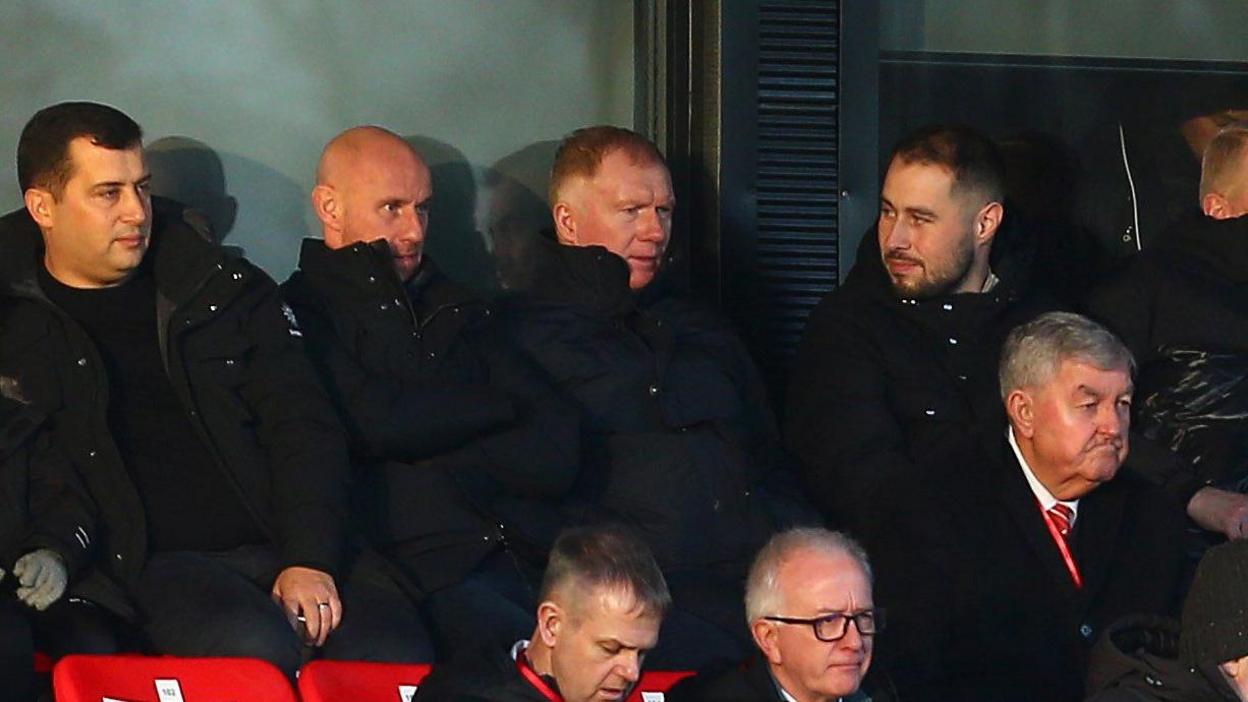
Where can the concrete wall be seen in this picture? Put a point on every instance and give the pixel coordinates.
(237, 98)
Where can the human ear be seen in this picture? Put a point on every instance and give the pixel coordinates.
(550, 620)
(565, 223)
(987, 222)
(1215, 206)
(764, 633)
(1019, 407)
(326, 205)
(39, 204)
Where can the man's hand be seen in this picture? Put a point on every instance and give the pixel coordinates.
(1221, 511)
(42, 577)
(311, 594)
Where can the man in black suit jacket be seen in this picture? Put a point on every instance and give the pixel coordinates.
(1037, 550)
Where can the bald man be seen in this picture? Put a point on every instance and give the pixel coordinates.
(459, 443)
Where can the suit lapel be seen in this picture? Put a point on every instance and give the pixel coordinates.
(1020, 503)
(1096, 532)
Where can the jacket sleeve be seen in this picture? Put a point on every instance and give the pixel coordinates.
(856, 459)
(59, 515)
(404, 420)
(537, 454)
(301, 434)
(1125, 305)
(62, 514)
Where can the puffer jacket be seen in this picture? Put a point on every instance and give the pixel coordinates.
(250, 392)
(677, 434)
(461, 444)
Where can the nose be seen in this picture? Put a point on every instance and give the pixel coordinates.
(1114, 420)
(135, 205)
(652, 225)
(415, 221)
(852, 638)
(893, 234)
(629, 668)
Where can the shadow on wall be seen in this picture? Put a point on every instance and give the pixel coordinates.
(193, 173)
(517, 212)
(186, 170)
(454, 240)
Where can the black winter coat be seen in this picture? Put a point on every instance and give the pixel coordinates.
(246, 385)
(463, 446)
(44, 505)
(1187, 293)
(677, 435)
(489, 676)
(1137, 660)
(886, 390)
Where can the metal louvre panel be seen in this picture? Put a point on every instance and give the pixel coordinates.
(797, 180)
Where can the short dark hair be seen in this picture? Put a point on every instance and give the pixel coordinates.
(582, 151)
(43, 149)
(607, 556)
(973, 159)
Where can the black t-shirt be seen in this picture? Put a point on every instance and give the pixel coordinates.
(189, 502)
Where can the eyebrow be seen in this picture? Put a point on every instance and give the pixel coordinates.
(147, 177)
(910, 210)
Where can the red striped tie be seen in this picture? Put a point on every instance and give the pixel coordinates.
(1061, 516)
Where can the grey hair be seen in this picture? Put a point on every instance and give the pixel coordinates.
(1219, 165)
(762, 592)
(1033, 352)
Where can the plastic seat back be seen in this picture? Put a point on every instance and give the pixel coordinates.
(168, 679)
(352, 681)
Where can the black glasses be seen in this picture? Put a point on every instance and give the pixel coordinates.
(833, 627)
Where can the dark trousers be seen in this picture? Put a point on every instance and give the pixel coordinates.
(491, 609)
(218, 604)
(64, 628)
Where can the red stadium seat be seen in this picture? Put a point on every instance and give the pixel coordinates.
(168, 679)
(338, 681)
(656, 682)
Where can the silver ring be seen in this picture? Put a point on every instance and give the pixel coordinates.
(322, 604)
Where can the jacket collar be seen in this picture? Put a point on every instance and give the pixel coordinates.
(181, 258)
(1095, 533)
(365, 269)
(588, 277)
(1219, 244)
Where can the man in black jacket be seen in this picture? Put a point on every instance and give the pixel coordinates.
(895, 382)
(1182, 309)
(174, 382)
(462, 446)
(602, 601)
(677, 437)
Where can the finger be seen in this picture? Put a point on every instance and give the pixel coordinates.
(29, 573)
(24, 594)
(43, 577)
(335, 610)
(313, 615)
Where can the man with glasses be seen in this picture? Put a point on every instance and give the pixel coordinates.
(809, 605)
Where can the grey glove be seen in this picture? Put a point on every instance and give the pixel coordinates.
(42, 577)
